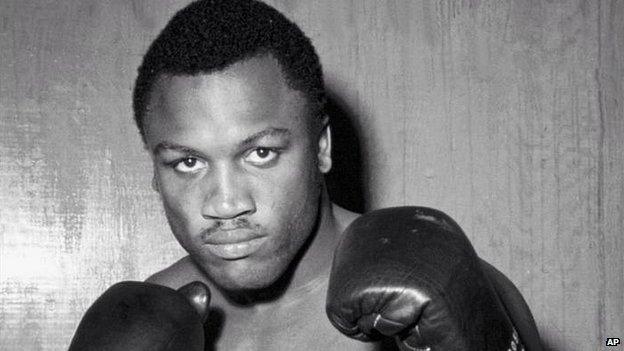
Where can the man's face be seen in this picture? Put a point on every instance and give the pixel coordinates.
(237, 162)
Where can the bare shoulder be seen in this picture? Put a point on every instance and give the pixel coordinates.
(343, 216)
(178, 274)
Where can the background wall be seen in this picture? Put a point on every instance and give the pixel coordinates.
(508, 115)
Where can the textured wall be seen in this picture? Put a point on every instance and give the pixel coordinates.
(506, 115)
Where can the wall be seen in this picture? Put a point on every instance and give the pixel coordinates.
(506, 115)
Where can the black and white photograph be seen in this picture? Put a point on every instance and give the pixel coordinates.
(349, 175)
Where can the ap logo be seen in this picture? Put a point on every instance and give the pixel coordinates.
(613, 341)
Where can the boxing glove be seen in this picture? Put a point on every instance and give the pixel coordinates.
(516, 307)
(411, 273)
(137, 316)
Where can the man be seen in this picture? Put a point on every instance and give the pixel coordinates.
(229, 101)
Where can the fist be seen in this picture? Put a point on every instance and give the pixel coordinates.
(411, 273)
(137, 316)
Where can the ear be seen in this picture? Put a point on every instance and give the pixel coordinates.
(324, 147)
(155, 184)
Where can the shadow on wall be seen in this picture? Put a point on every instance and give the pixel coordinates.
(345, 181)
(549, 341)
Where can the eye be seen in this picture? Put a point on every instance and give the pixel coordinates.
(189, 165)
(261, 156)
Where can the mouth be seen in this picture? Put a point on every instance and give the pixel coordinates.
(233, 245)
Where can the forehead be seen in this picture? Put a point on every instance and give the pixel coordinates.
(248, 95)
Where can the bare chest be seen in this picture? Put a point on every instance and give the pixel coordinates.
(300, 324)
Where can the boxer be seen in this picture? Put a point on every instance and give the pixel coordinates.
(230, 104)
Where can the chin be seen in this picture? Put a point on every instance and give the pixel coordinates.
(244, 275)
(242, 283)
(249, 285)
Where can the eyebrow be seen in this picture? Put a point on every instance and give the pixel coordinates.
(174, 147)
(269, 132)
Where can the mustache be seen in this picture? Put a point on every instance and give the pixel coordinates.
(232, 224)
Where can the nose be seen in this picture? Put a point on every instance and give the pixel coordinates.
(227, 196)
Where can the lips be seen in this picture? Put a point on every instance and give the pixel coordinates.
(233, 244)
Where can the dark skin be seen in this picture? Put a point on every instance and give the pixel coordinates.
(239, 163)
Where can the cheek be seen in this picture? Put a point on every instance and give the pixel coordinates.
(182, 206)
(290, 187)
(293, 202)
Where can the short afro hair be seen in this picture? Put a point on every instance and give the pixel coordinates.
(210, 35)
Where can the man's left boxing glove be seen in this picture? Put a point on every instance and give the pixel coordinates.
(137, 316)
(411, 273)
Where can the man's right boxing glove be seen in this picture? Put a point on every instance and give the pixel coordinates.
(137, 316)
(412, 274)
